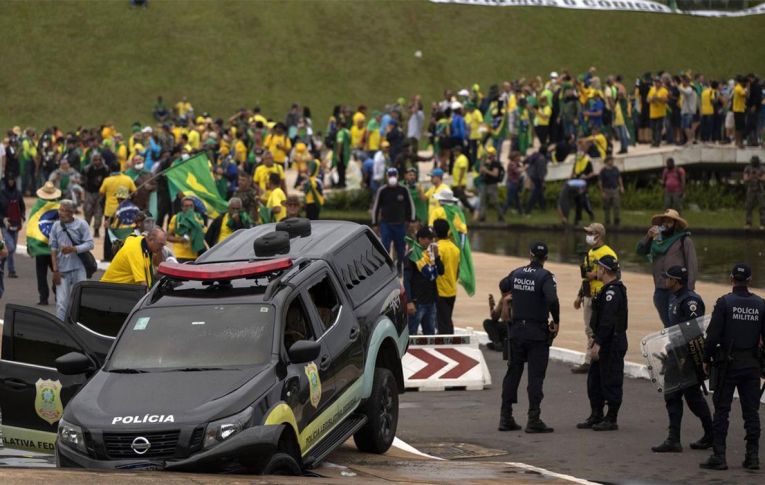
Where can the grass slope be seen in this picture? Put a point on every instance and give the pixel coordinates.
(86, 62)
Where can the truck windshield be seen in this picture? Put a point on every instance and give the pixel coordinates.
(195, 338)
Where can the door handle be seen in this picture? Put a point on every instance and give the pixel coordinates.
(324, 362)
(354, 333)
(16, 384)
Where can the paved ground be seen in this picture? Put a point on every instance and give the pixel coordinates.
(431, 419)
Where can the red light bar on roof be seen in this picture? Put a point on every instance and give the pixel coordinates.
(223, 271)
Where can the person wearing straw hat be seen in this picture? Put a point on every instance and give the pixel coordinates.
(668, 243)
(41, 218)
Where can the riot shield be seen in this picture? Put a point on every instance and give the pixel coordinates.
(675, 355)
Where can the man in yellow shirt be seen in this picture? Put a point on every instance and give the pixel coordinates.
(132, 265)
(542, 117)
(276, 198)
(591, 286)
(240, 150)
(358, 139)
(360, 116)
(278, 144)
(437, 179)
(473, 121)
(446, 283)
(738, 107)
(187, 232)
(657, 101)
(459, 176)
(195, 139)
(264, 171)
(117, 181)
(709, 96)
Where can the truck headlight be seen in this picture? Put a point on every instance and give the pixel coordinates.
(223, 429)
(71, 435)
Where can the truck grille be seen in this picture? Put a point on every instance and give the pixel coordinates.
(120, 445)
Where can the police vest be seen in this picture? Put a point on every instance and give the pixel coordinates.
(744, 316)
(683, 307)
(529, 303)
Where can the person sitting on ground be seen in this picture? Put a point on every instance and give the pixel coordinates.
(496, 325)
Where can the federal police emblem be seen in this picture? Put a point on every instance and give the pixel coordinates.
(314, 383)
(48, 400)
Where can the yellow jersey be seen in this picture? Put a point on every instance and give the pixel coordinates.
(450, 257)
(131, 265)
(262, 173)
(739, 99)
(433, 204)
(658, 102)
(182, 250)
(590, 260)
(109, 188)
(276, 199)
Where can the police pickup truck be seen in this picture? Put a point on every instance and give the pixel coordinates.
(271, 350)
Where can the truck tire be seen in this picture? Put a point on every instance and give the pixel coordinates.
(381, 410)
(282, 464)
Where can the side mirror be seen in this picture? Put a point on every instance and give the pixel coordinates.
(304, 351)
(73, 363)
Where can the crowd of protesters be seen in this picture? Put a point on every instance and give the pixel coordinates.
(542, 120)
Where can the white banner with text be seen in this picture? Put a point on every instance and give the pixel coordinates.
(647, 6)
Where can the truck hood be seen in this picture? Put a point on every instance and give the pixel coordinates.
(127, 401)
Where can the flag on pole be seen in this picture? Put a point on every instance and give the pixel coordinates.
(41, 218)
(194, 178)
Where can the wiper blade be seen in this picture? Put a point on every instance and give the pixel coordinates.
(127, 371)
(195, 369)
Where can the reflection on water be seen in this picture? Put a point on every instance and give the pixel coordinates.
(716, 254)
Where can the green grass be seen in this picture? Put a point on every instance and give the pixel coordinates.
(86, 62)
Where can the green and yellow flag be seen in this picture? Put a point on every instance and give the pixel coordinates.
(194, 178)
(466, 271)
(41, 218)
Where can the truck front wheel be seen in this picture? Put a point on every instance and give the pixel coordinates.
(381, 410)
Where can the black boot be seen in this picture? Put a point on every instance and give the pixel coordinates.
(715, 462)
(751, 461)
(596, 416)
(507, 422)
(671, 444)
(704, 443)
(609, 422)
(536, 425)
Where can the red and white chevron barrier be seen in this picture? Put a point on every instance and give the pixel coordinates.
(440, 362)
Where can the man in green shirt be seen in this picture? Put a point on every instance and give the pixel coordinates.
(341, 155)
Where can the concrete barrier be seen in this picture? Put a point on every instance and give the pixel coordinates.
(440, 362)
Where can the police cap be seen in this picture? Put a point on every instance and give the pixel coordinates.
(610, 263)
(538, 249)
(677, 273)
(741, 272)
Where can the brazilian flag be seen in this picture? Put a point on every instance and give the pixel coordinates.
(194, 178)
(466, 272)
(41, 218)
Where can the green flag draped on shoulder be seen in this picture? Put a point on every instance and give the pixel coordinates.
(416, 250)
(41, 218)
(466, 272)
(194, 178)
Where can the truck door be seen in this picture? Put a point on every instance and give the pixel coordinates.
(339, 329)
(98, 310)
(32, 392)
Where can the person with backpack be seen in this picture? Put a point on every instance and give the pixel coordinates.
(12, 210)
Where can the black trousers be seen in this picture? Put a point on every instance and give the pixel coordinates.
(696, 403)
(444, 310)
(605, 379)
(657, 124)
(42, 264)
(312, 211)
(459, 193)
(536, 353)
(747, 382)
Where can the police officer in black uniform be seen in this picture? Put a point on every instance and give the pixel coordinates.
(534, 297)
(605, 378)
(684, 305)
(733, 339)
